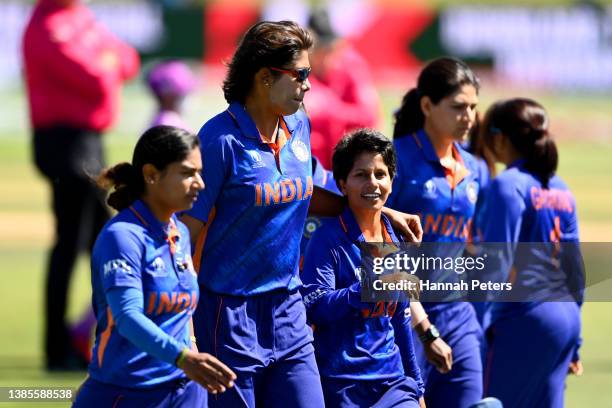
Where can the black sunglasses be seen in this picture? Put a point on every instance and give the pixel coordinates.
(300, 74)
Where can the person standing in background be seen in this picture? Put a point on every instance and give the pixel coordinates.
(343, 96)
(74, 69)
(170, 82)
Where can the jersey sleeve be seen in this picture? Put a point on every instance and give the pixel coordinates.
(119, 260)
(403, 339)
(127, 307)
(324, 303)
(216, 158)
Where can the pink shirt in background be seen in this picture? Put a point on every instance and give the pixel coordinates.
(74, 67)
(343, 99)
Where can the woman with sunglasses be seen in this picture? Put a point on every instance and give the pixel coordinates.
(539, 332)
(144, 285)
(249, 221)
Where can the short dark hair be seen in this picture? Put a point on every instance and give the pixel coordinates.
(525, 123)
(359, 141)
(159, 146)
(440, 78)
(265, 44)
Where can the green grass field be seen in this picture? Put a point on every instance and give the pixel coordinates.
(27, 230)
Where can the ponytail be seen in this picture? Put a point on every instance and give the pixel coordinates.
(525, 123)
(127, 185)
(543, 158)
(159, 146)
(409, 117)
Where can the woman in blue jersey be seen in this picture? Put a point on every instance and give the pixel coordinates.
(144, 285)
(440, 181)
(528, 203)
(248, 222)
(364, 350)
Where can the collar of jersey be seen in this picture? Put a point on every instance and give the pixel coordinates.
(246, 124)
(148, 220)
(351, 227)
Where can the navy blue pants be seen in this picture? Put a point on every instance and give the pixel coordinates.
(264, 339)
(529, 354)
(398, 392)
(462, 386)
(181, 393)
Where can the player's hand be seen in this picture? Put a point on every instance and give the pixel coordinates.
(575, 368)
(439, 354)
(409, 225)
(207, 371)
(422, 402)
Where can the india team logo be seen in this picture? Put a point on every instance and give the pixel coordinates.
(472, 191)
(300, 150)
(429, 188)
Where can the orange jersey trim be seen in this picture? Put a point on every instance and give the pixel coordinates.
(455, 175)
(105, 336)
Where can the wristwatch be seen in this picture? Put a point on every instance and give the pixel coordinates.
(430, 334)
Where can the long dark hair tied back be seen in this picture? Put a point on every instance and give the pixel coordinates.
(440, 78)
(525, 123)
(159, 146)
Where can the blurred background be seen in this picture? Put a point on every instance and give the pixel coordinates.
(557, 52)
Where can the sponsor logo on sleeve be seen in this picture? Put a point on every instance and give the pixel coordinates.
(116, 265)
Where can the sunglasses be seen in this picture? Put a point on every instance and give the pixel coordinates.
(300, 74)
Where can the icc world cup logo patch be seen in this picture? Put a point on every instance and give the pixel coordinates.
(300, 150)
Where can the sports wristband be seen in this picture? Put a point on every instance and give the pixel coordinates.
(181, 357)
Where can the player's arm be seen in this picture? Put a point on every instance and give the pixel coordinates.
(216, 161)
(403, 339)
(194, 226)
(437, 351)
(324, 303)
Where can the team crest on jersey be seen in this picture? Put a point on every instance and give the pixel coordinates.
(358, 272)
(312, 224)
(472, 191)
(300, 150)
(256, 160)
(429, 188)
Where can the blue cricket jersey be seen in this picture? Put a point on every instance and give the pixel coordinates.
(445, 199)
(518, 208)
(254, 204)
(135, 251)
(422, 186)
(353, 339)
